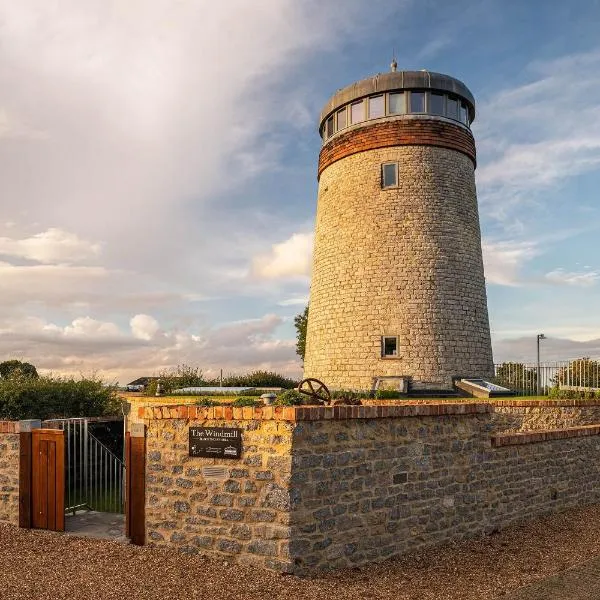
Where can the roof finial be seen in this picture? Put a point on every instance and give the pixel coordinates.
(394, 65)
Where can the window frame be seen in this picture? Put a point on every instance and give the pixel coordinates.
(329, 122)
(456, 100)
(396, 171)
(417, 112)
(388, 111)
(363, 103)
(382, 350)
(430, 104)
(339, 112)
(383, 114)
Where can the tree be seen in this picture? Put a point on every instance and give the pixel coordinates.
(516, 376)
(180, 376)
(581, 372)
(301, 323)
(17, 368)
(258, 379)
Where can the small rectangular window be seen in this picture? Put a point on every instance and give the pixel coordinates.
(357, 112)
(417, 102)
(389, 346)
(396, 106)
(452, 108)
(389, 175)
(376, 107)
(436, 104)
(341, 119)
(463, 113)
(329, 127)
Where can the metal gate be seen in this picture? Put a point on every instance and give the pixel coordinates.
(94, 473)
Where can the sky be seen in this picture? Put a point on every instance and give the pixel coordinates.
(158, 171)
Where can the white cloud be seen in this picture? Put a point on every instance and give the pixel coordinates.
(532, 139)
(91, 328)
(12, 127)
(504, 260)
(301, 301)
(576, 278)
(144, 327)
(103, 347)
(53, 246)
(291, 258)
(130, 136)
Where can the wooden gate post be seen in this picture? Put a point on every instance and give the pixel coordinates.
(135, 470)
(26, 471)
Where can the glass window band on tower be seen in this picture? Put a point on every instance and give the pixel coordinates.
(435, 103)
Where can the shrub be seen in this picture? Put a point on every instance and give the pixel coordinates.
(56, 397)
(557, 394)
(246, 401)
(290, 398)
(347, 395)
(178, 377)
(204, 401)
(257, 379)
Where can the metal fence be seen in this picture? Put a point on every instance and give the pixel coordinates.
(529, 379)
(94, 474)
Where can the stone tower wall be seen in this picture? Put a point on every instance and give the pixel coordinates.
(400, 262)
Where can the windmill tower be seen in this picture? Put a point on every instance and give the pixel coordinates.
(398, 288)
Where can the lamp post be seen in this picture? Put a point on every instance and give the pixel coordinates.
(540, 336)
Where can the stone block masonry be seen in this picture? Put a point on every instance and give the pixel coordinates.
(367, 490)
(520, 414)
(242, 512)
(9, 472)
(403, 262)
(328, 487)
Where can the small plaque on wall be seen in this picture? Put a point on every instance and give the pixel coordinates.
(215, 442)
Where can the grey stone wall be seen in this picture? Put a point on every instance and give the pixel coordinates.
(401, 262)
(242, 515)
(535, 418)
(324, 488)
(365, 490)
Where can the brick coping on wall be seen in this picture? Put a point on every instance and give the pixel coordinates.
(311, 413)
(9, 427)
(532, 437)
(520, 403)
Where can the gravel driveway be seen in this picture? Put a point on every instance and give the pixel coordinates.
(36, 565)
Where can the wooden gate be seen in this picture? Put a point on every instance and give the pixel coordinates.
(48, 479)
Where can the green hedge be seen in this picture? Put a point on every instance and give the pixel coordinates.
(558, 394)
(55, 397)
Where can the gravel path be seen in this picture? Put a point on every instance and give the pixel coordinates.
(579, 583)
(43, 565)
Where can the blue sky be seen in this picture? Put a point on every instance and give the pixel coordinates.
(158, 170)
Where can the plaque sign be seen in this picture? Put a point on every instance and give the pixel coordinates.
(215, 442)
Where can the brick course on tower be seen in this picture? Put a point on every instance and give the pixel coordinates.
(398, 286)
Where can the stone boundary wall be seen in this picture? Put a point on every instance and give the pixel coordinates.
(9, 472)
(518, 439)
(532, 415)
(329, 487)
(241, 513)
(368, 490)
